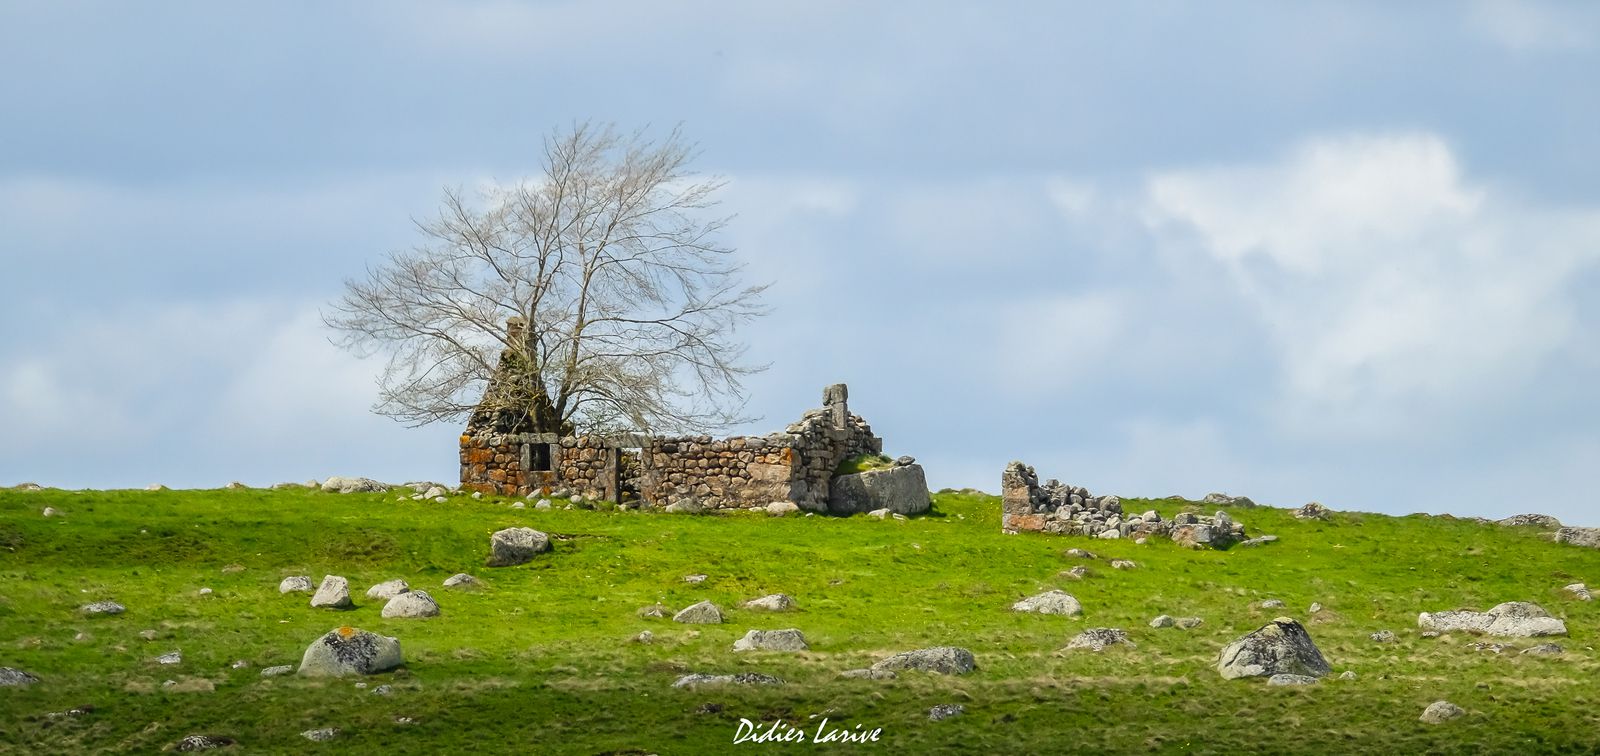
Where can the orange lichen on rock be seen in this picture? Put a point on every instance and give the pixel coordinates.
(346, 631)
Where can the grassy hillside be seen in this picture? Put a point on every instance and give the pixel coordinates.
(541, 659)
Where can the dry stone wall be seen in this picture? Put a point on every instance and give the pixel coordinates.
(795, 465)
(1058, 508)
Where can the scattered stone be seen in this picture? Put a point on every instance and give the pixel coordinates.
(781, 508)
(776, 602)
(321, 735)
(1513, 619)
(694, 578)
(27, 487)
(746, 678)
(946, 711)
(1100, 639)
(239, 664)
(1282, 646)
(282, 669)
(439, 500)
(383, 690)
(1440, 712)
(644, 636)
(1079, 554)
(1287, 679)
(1545, 649)
(107, 608)
(1347, 675)
(772, 640)
(656, 611)
(1078, 573)
(542, 504)
(235, 486)
(477, 494)
(703, 613)
(462, 580)
(868, 674)
(1228, 501)
(1123, 564)
(347, 651)
(156, 487)
(1531, 521)
(1316, 606)
(334, 593)
(1189, 623)
(879, 514)
(337, 484)
(204, 592)
(232, 569)
(1271, 604)
(1383, 636)
(518, 505)
(51, 512)
(175, 657)
(411, 605)
(1312, 511)
(191, 685)
(1259, 541)
(388, 589)
(945, 660)
(514, 546)
(148, 635)
(1579, 591)
(10, 677)
(202, 743)
(1050, 602)
(1589, 537)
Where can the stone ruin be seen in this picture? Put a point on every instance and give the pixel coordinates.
(1059, 508)
(498, 456)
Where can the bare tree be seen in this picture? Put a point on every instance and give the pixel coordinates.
(600, 290)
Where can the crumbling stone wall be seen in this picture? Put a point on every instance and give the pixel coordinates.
(1058, 508)
(716, 473)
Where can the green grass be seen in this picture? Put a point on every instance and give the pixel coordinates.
(540, 661)
(862, 463)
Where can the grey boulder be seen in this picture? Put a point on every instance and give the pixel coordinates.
(411, 605)
(772, 640)
(901, 490)
(461, 580)
(1513, 619)
(514, 546)
(103, 608)
(745, 678)
(1589, 537)
(945, 660)
(777, 602)
(1282, 646)
(1440, 712)
(348, 651)
(1100, 639)
(334, 593)
(15, 678)
(338, 484)
(703, 613)
(1050, 602)
(388, 589)
(296, 584)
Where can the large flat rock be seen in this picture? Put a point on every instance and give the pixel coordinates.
(901, 490)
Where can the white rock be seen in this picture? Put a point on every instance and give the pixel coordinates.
(296, 584)
(772, 640)
(388, 589)
(703, 613)
(411, 604)
(776, 602)
(348, 651)
(781, 508)
(514, 546)
(51, 512)
(334, 593)
(1440, 712)
(462, 580)
(1050, 602)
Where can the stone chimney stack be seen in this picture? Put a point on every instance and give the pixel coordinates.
(834, 399)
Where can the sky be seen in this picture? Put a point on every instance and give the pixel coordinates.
(1344, 252)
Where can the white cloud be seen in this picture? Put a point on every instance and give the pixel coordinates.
(1397, 291)
(1530, 25)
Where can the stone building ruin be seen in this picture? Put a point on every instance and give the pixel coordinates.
(1054, 507)
(796, 465)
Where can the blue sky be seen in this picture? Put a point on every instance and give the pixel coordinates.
(1342, 252)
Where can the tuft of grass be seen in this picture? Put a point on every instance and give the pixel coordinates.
(862, 463)
(540, 659)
